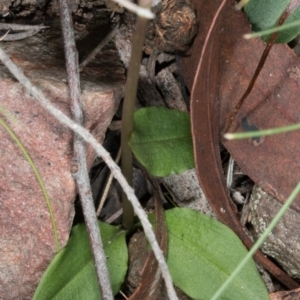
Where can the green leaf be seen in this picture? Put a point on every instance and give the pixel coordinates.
(203, 252)
(161, 140)
(71, 274)
(264, 14)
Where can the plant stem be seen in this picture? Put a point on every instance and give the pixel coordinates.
(79, 167)
(129, 107)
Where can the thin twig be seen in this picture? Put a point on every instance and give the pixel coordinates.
(152, 63)
(258, 69)
(28, 31)
(140, 11)
(4, 35)
(79, 167)
(105, 41)
(114, 216)
(19, 36)
(88, 137)
(107, 186)
(20, 27)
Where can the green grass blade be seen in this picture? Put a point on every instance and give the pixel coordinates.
(259, 133)
(265, 14)
(258, 243)
(271, 30)
(40, 181)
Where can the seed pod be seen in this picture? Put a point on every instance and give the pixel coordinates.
(175, 25)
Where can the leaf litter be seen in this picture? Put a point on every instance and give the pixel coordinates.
(270, 104)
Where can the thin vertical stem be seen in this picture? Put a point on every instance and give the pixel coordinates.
(129, 106)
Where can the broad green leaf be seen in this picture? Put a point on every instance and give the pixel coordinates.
(161, 140)
(203, 252)
(264, 14)
(71, 274)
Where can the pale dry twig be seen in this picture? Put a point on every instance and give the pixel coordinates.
(88, 137)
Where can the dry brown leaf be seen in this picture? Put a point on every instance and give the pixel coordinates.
(204, 105)
(286, 295)
(271, 161)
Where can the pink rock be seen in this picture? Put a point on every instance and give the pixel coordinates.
(26, 235)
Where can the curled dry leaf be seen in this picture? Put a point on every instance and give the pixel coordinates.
(271, 161)
(234, 62)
